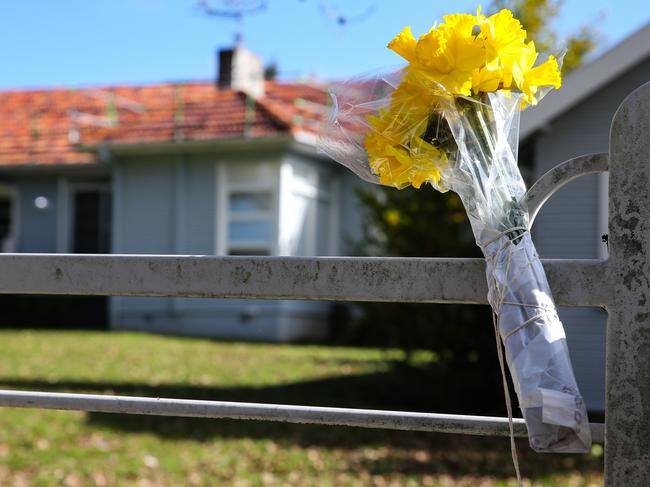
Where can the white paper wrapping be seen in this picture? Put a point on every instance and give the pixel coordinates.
(480, 137)
(536, 348)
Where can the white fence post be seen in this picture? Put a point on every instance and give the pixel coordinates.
(627, 428)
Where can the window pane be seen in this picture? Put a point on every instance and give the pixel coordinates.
(244, 202)
(247, 231)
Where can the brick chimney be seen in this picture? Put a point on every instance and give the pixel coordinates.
(240, 69)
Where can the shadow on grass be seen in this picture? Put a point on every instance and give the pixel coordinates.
(399, 388)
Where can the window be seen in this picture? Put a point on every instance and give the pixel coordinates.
(287, 208)
(248, 209)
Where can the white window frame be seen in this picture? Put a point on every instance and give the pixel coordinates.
(224, 216)
(290, 186)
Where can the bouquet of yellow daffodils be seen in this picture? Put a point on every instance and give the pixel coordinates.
(450, 118)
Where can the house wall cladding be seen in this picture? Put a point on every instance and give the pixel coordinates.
(572, 222)
(43, 220)
(170, 206)
(37, 227)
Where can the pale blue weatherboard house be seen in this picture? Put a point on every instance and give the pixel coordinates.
(295, 199)
(226, 168)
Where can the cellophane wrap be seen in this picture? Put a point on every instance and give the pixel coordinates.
(480, 136)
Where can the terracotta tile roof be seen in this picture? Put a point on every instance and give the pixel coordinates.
(47, 126)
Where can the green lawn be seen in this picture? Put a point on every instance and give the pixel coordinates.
(69, 448)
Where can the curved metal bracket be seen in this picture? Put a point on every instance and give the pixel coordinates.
(559, 176)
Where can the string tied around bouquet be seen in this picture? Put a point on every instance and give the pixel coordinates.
(514, 236)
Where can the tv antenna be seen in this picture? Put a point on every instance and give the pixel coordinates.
(232, 9)
(346, 15)
(338, 11)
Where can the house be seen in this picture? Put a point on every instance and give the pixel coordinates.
(570, 122)
(225, 168)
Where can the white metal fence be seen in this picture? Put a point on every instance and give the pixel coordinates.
(620, 284)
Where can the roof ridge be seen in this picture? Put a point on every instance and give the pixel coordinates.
(146, 84)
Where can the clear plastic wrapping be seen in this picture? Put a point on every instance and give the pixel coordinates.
(389, 132)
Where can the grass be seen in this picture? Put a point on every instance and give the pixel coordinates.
(47, 448)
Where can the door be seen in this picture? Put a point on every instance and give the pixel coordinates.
(91, 219)
(91, 208)
(7, 219)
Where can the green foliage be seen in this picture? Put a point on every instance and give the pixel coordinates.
(578, 47)
(416, 223)
(425, 223)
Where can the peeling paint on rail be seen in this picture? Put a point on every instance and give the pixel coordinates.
(421, 280)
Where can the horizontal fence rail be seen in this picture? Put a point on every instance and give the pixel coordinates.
(363, 418)
(414, 280)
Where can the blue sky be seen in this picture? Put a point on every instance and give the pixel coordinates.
(81, 42)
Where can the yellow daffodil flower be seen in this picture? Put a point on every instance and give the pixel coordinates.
(466, 55)
(404, 44)
(485, 80)
(503, 37)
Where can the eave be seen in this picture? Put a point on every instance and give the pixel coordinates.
(587, 80)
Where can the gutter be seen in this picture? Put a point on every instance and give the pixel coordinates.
(84, 169)
(106, 150)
